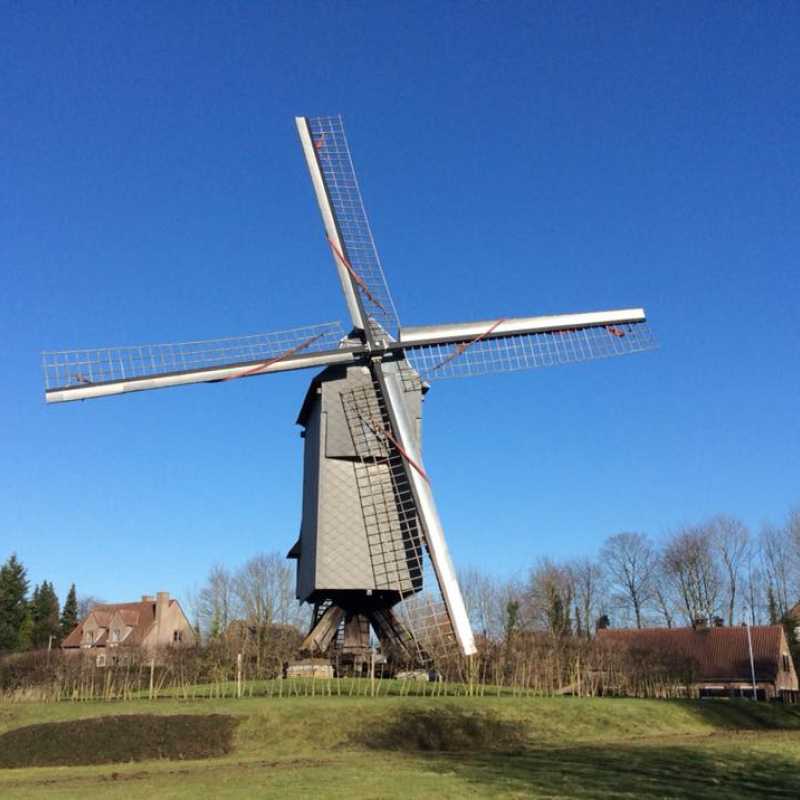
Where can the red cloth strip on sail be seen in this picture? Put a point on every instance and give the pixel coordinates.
(460, 348)
(356, 277)
(379, 431)
(264, 364)
(615, 331)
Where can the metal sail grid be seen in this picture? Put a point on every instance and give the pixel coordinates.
(333, 154)
(71, 368)
(399, 555)
(529, 350)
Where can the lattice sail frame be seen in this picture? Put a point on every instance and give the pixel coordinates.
(528, 350)
(73, 368)
(395, 534)
(336, 165)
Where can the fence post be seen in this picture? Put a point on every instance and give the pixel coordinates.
(372, 670)
(238, 675)
(152, 674)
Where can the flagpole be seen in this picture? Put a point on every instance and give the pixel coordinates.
(752, 664)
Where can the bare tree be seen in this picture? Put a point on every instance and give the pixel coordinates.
(664, 595)
(215, 601)
(793, 529)
(689, 562)
(192, 604)
(587, 582)
(482, 599)
(549, 598)
(793, 534)
(754, 600)
(630, 562)
(264, 590)
(778, 558)
(86, 602)
(730, 539)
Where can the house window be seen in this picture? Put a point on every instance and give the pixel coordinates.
(115, 635)
(786, 666)
(177, 636)
(101, 660)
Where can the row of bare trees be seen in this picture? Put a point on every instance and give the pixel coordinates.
(260, 593)
(715, 572)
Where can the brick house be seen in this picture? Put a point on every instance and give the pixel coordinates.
(111, 631)
(716, 660)
(793, 615)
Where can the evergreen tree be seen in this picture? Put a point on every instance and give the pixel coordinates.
(790, 628)
(54, 610)
(772, 607)
(69, 614)
(25, 636)
(14, 612)
(511, 620)
(33, 613)
(557, 614)
(602, 623)
(216, 627)
(44, 616)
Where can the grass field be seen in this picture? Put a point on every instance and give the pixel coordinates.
(413, 747)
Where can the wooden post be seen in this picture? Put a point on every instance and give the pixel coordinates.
(239, 675)
(372, 670)
(152, 675)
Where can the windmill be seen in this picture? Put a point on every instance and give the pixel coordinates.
(371, 552)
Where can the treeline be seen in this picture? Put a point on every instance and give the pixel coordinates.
(714, 572)
(258, 593)
(32, 621)
(535, 634)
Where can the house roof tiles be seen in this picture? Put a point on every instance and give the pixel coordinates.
(717, 654)
(139, 616)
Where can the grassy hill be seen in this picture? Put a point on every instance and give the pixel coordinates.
(412, 747)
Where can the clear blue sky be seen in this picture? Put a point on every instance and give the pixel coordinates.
(515, 158)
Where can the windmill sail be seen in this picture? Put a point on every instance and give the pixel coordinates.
(391, 384)
(404, 534)
(82, 374)
(346, 225)
(506, 345)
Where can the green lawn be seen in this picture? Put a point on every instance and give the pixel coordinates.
(413, 747)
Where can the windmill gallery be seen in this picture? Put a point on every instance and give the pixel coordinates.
(371, 555)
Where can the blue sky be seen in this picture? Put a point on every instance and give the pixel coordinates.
(515, 159)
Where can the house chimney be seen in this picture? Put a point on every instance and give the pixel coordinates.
(148, 598)
(162, 603)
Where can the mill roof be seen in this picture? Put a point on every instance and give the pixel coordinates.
(311, 392)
